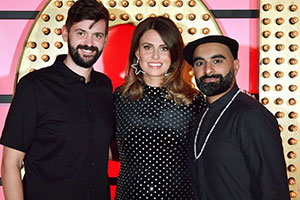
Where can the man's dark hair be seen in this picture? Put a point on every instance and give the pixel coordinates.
(87, 10)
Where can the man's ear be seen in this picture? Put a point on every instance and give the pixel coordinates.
(236, 66)
(65, 33)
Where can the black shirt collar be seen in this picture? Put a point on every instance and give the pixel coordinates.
(68, 73)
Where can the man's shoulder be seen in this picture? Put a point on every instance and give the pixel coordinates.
(246, 106)
(99, 76)
(37, 74)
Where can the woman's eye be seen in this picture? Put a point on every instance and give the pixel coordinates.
(147, 47)
(164, 48)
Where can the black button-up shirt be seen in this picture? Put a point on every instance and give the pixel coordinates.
(64, 126)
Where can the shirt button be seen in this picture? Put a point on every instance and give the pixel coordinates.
(82, 79)
(92, 164)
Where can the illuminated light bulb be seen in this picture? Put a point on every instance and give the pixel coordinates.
(279, 101)
(46, 30)
(293, 88)
(45, 17)
(266, 34)
(293, 7)
(266, 74)
(152, 15)
(291, 155)
(59, 17)
(293, 74)
(279, 7)
(292, 168)
(179, 3)
(265, 101)
(279, 61)
(206, 17)
(58, 4)
(279, 47)
(205, 31)
(279, 34)
(192, 16)
(166, 3)
(70, 3)
(112, 17)
(266, 61)
(280, 128)
(278, 87)
(192, 3)
(57, 31)
(124, 3)
(45, 45)
(58, 45)
(32, 70)
(294, 20)
(32, 57)
(124, 16)
(279, 74)
(31, 44)
(293, 61)
(112, 3)
(180, 29)
(179, 16)
(293, 115)
(293, 194)
(139, 3)
(293, 128)
(139, 17)
(151, 3)
(166, 15)
(292, 101)
(279, 114)
(279, 21)
(267, 7)
(266, 21)
(292, 181)
(266, 47)
(192, 30)
(293, 34)
(266, 88)
(292, 141)
(293, 47)
(45, 58)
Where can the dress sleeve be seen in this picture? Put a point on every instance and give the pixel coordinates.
(20, 126)
(263, 152)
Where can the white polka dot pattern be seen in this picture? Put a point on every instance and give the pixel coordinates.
(153, 135)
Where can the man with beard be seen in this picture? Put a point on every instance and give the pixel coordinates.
(60, 121)
(236, 151)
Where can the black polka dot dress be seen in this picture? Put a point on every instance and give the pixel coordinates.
(152, 135)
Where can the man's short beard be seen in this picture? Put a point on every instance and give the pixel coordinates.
(215, 88)
(79, 60)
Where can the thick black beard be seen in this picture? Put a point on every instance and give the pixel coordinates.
(79, 60)
(215, 88)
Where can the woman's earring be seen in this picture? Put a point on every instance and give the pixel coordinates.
(136, 67)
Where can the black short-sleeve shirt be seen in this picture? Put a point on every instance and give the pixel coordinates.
(64, 126)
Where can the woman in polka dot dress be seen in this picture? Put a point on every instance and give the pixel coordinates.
(154, 111)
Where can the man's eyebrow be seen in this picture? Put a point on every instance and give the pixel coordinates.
(218, 56)
(197, 58)
(79, 29)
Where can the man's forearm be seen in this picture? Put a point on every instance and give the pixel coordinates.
(12, 183)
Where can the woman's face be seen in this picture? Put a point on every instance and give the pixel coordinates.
(154, 55)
